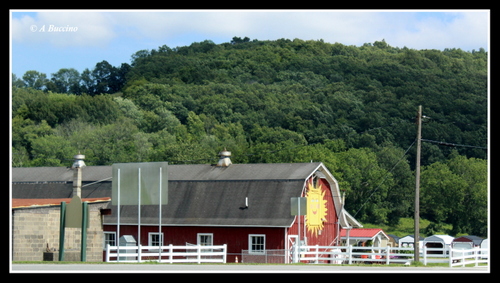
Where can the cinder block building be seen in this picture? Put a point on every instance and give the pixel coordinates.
(37, 193)
(35, 230)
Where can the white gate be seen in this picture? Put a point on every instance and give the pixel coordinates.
(291, 250)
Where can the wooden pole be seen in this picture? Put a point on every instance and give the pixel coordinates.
(83, 248)
(416, 241)
(62, 229)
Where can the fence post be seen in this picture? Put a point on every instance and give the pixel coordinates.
(170, 253)
(198, 253)
(350, 254)
(476, 255)
(317, 254)
(424, 254)
(387, 254)
(224, 256)
(464, 257)
(106, 259)
(450, 258)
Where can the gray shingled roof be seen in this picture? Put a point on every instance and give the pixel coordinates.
(281, 171)
(58, 174)
(219, 203)
(197, 194)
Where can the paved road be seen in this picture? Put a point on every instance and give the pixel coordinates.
(231, 268)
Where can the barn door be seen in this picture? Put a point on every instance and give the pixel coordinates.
(292, 255)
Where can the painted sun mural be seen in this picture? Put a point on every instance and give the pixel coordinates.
(316, 208)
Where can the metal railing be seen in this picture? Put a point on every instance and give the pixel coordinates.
(167, 254)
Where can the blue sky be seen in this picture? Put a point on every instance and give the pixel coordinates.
(91, 36)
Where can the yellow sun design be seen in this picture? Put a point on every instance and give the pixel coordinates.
(316, 208)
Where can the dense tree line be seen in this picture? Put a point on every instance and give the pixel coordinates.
(352, 108)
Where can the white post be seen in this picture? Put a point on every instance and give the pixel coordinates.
(107, 253)
(317, 253)
(139, 210)
(450, 258)
(350, 254)
(298, 243)
(198, 250)
(139, 253)
(476, 256)
(424, 254)
(224, 256)
(387, 254)
(170, 256)
(159, 222)
(118, 222)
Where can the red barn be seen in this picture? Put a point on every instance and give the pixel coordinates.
(246, 206)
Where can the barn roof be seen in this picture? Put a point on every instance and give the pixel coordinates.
(198, 194)
(363, 233)
(469, 238)
(31, 203)
(196, 172)
(447, 239)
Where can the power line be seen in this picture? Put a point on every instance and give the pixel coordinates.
(385, 177)
(453, 144)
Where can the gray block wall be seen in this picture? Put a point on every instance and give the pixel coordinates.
(36, 230)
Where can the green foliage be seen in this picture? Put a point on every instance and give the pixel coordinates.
(455, 192)
(352, 108)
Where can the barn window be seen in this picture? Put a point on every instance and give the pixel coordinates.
(109, 238)
(256, 243)
(205, 240)
(154, 239)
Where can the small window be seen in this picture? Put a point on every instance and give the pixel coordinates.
(257, 244)
(109, 238)
(154, 239)
(205, 240)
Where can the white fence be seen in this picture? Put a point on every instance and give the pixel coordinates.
(167, 254)
(388, 255)
(470, 256)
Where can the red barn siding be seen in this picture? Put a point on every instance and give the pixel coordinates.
(236, 238)
(330, 228)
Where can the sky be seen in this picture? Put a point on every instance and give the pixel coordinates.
(49, 40)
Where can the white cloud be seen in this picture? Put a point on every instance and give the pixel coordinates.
(64, 28)
(414, 30)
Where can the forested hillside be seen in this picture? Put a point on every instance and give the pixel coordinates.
(352, 108)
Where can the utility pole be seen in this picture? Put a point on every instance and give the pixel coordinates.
(416, 240)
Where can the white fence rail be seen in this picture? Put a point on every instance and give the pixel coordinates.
(469, 256)
(167, 254)
(388, 255)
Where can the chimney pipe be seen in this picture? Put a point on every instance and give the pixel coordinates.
(77, 174)
(224, 159)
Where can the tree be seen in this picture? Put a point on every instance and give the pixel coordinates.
(66, 81)
(104, 77)
(455, 192)
(237, 40)
(35, 79)
(366, 185)
(52, 151)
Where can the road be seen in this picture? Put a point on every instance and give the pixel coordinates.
(232, 268)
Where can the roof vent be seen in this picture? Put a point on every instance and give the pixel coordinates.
(224, 159)
(78, 163)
